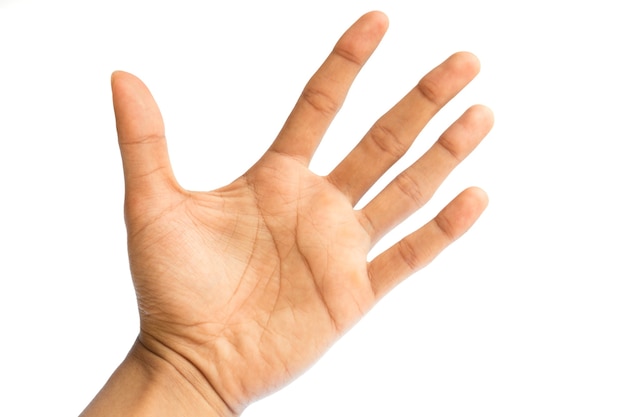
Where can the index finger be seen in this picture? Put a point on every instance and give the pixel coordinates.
(325, 92)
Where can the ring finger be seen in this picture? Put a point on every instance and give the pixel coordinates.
(392, 135)
(415, 186)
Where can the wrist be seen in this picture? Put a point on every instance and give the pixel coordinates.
(154, 382)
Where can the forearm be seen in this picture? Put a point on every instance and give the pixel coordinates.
(147, 385)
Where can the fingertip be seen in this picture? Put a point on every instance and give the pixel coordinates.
(482, 109)
(483, 114)
(117, 82)
(136, 112)
(117, 75)
(463, 211)
(374, 23)
(471, 58)
(380, 18)
(468, 60)
(478, 197)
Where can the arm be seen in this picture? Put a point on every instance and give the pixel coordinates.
(242, 288)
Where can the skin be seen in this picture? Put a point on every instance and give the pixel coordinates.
(242, 288)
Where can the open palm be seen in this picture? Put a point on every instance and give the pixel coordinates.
(251, 283)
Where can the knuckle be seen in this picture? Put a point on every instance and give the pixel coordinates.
(367, 223)
(431, 90)
(409, 187)
(451, 147)
(409, 255)
(148, 139)
(445, 227)
(387, 140)
(345, 52)
(321, 101)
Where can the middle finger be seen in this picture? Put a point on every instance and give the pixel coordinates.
(414, 187)
(392, 135)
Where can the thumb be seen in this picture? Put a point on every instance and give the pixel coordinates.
(141, 135)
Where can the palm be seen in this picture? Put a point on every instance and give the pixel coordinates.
(267, 262)
(252, 282)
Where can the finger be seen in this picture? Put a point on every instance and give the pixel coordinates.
(392, 135)
(325, 92)
(419, 248)
(141, 136)
(415, 186)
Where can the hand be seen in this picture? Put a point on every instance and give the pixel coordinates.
(242, 288)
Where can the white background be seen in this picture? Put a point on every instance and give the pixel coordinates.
(526, 315)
